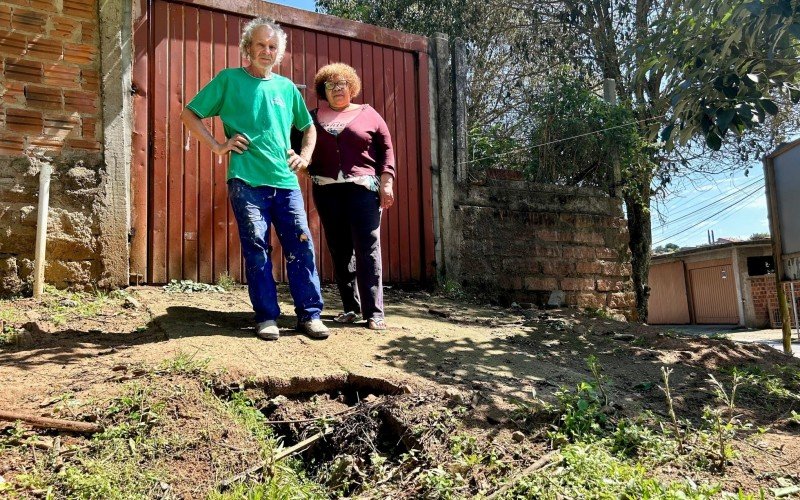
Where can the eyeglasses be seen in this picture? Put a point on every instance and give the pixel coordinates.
(341, 84)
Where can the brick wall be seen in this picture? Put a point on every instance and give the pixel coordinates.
(765, 299)
(49, 77)
(526, 240)
(50, 112)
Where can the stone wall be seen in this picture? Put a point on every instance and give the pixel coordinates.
(50, 111)
(525, 240)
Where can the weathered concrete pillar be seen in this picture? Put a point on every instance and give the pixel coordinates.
(444, 169)
(460, 109)
(115, 69)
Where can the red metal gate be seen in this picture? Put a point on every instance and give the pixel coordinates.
(183, 227)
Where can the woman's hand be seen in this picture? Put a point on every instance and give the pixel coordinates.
(386, 191)
(237, 143)
(297, 162)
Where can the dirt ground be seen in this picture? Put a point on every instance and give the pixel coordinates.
(438, 352)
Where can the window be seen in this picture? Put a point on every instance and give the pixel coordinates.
(759, 266)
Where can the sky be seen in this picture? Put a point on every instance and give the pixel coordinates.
(732, 205)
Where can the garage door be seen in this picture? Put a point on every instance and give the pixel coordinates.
(714, 295)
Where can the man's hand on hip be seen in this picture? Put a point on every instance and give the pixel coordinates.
(237, 143)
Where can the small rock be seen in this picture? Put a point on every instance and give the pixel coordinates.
(372, 398)
(627, 337)
(496, 419)
(514, 305)
(164, 486)
(119, 368)
(68, 303)
(368, 365)
(131, 303)
(518, 437)
(556, 298)
(443, 313)
(279, 400)
(454, 394)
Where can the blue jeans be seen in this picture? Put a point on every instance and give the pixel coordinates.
(256, 208)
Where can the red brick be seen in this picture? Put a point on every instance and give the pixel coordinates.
(24, 3)
(79, 53)
(588, 299)
(89, 33)
(621, 300)
(62, 75)
(89, 128)
(46, 142)
(90, 80)
(11, 144)
(82, 144)
(577, 284)
(576, 252)
(43, 97)
(82, 102)
(610, 285)
(607, 253)
(548, 235)
(29, 21)
(547, 284)
(45, 48)
(13, 43)
(12, 93)
(23, 71)
(45, 5)
(65, 29)
(589, 267)
(557, 267)
(5, 17)
(588, 237)
(61, 126)
(24, 121)
(86, 9)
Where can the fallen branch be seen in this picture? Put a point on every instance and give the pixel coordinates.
(544, 460)
(302, 445)
(51, 423)
(314, 419)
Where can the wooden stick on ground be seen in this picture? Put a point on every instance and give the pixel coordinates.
(302, 445)
(544, 460)
(51, 423)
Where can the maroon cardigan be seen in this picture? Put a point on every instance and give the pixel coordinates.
(363, 147)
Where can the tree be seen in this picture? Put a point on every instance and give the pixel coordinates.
(759, 236)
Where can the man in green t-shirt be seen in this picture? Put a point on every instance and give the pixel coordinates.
(258, 109)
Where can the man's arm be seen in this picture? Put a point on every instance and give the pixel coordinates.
(301, 161)
(196, 126)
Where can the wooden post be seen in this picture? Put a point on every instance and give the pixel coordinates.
(41, 228)
(777, 248)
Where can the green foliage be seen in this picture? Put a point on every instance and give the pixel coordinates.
(731, 61)
(607, 134)
(226, 281)
(189, 286)
(581, 414)
(184, 364)
(759, 236)
(592, 471)
(63, 305)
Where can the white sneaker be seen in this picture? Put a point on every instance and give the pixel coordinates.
(314, 328)
(268, 330)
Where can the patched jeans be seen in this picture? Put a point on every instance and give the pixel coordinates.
(256, 208)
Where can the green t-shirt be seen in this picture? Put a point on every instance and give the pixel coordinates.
(262, 110)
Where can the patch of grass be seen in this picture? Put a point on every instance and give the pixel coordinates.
(597, 312)
(593, 471)
(189, 286)
(184, 364)
(452, 290)
(63, 306)
(225, 281)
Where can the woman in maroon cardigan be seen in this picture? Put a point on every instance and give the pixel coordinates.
(353, 173)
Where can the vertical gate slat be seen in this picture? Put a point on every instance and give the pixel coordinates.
(158, 221)
(404, 209)
(140, 176)
(234, 246)
(190, 157)
(392, 216)
(426, 184)
(412, 169)
(175, 157)
(206, 159)
(377, 88)
(219, 51)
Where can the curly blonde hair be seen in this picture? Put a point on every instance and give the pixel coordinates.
(342, 70)
(247, 37)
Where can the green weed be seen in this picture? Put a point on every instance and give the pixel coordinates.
(226, 281)
(184, 364)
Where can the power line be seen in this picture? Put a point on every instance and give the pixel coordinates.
(686, 208)
(526, 148)
(725, 217)
(706, 207)
(751, 193)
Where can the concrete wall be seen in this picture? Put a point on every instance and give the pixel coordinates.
(523, 240)
(51, 112)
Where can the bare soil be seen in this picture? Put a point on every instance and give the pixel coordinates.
(439, 357)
